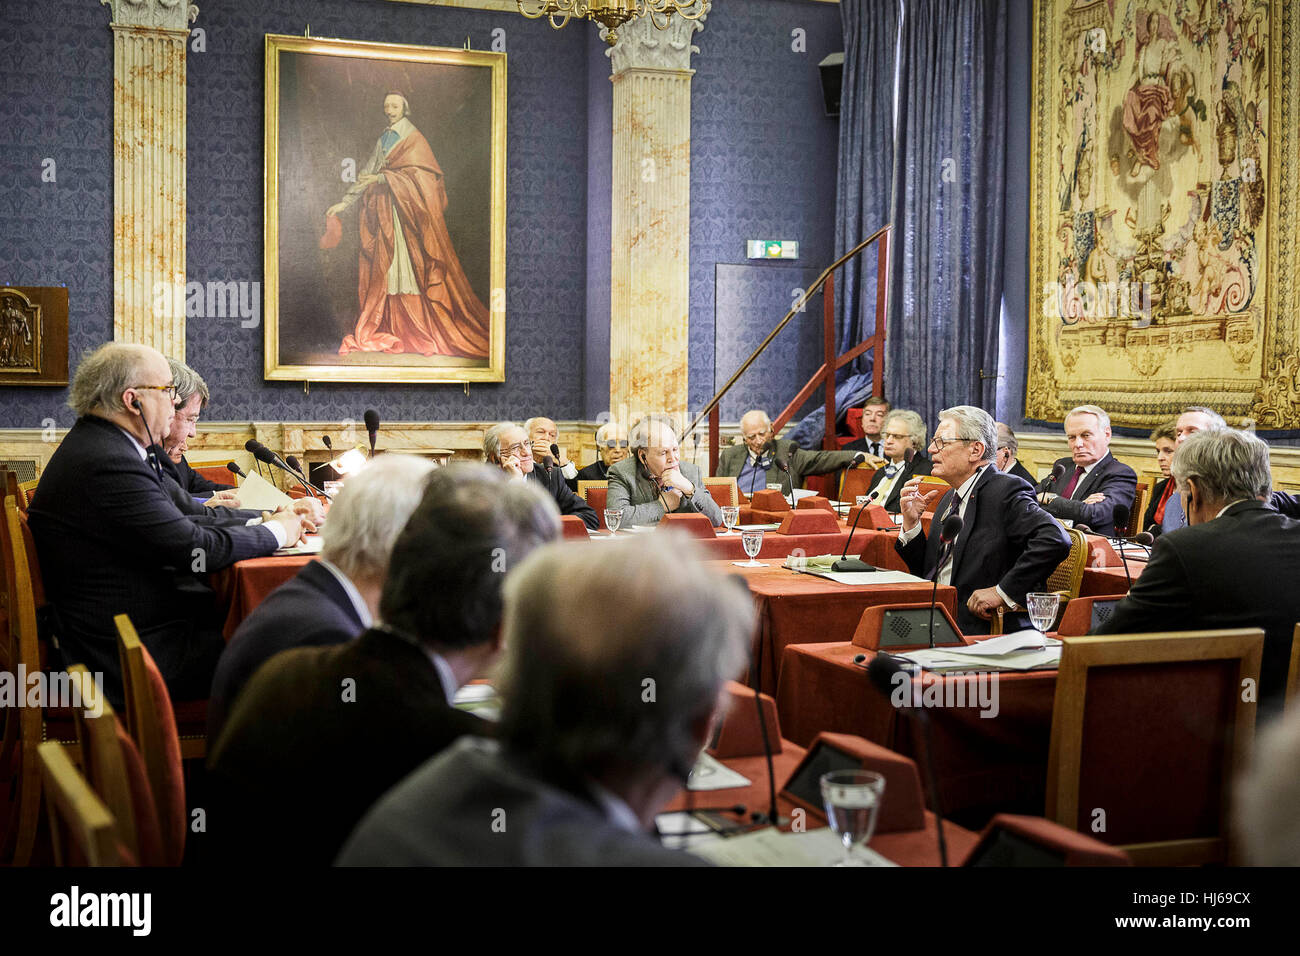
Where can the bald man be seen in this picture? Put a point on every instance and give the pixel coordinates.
(754, 464)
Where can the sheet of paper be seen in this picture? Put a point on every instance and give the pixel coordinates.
(771, 847)
(258, 494)
(709, 773)
(310, 544)
(746, 564)
(758, 527)
(1007, 643)
(943, 660)
(867, 577)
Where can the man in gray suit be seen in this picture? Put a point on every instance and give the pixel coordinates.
(606, 707)
(655, 481)
(758, 461)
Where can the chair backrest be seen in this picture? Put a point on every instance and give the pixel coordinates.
(1084, 614)
(595, 493)
(855, 481)
(1068, 576)
(24, 645)
(1293, 671)
(1148, 733)
(82, 828)
(1141, 499)
(151, 722)
(723, 490)
(27, 491)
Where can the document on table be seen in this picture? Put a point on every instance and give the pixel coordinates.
(771, 847)
(867, 577)
(310, 544)
(258, 494)
(709, 773)
(758, 527)
(942, 660)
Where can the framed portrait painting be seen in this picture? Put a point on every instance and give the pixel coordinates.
(385, 212)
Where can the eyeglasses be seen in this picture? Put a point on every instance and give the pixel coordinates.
(898, 437)
(518, 449)
(169, 389)
(611, 443)
(942, 443)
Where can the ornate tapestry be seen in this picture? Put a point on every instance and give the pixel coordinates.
(1164, 228)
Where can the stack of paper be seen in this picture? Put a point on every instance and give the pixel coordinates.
(1022, 651)
(770, 847)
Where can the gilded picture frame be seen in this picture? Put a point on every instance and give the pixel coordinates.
(385, 200)
(1164, 234)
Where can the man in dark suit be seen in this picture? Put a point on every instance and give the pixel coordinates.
(1006, 460)
(506, 446)
(1235, 563)
(335, 598)
(111, 540)
(1007, 545)
(320, 733)
(191, 398)
(874, 410)
(904, 438)
(606, 708)
(759, 460)
(655, 481)
(1092, 482)
(611, 446)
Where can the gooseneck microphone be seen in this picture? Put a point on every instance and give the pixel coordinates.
(783, 466)
(1120, 516)
(949, 530)
(325, 440)
(883, 673)
(307, 486)
(234, 469)
(846, 563)
(268, 457)
(372, 427)
(1057, 471)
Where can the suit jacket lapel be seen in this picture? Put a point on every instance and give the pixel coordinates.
(1085, 483)
(968, 522)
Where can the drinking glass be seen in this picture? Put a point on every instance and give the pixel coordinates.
(613, 518)
(852, 799)
(1042, 609)
(730, 517)
(753, 543)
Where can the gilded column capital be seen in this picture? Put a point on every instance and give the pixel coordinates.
(642, 46)
(153, 14)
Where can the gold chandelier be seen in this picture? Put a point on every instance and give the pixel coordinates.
(612, 14)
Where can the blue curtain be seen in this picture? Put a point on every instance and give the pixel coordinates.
(946, 247)
(866, 163)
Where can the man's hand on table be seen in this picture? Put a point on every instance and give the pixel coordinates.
(223, 499)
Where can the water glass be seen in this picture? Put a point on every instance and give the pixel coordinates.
(1042, 609)
(730, 517)
(852, 800)
(753, 543)
(613, 518)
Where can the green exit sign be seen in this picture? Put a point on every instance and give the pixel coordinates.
(772, 249)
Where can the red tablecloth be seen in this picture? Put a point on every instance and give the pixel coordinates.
(245, 584)
(906, 847)
(982, 763)
(800, 608)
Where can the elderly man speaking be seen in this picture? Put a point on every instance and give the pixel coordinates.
(655, 481)
(755, 464)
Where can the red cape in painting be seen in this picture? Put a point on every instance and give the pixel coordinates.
(447, 318)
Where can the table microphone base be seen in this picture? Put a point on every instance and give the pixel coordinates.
(852, 564)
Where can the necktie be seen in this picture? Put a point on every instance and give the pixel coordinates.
(875, 449)
(1068, 490)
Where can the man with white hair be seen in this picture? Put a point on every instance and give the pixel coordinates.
(1235, 564)
(1092, 482)
(606, 708)
(335, 598)
(1006, 545)
(507, 446)
(543, 433)
(655, 481)
(759, 461)
(611, 447)
(320, 733)
(112, 541)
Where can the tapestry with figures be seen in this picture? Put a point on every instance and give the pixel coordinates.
(1164, 230)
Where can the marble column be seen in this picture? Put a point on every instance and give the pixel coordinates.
(651, 217)
(149, 43)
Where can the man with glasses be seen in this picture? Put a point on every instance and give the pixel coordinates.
(508, 447)
(655, 481)
(1007, 545)
(1008, 446)
(611, 445)
(754, 464)
(111, 540)
(904, 432)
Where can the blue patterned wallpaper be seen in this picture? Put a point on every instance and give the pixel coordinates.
(763, 161)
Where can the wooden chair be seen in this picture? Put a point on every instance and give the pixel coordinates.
(595, 493)
(1148, 733)
(115, 771)
(584, 486)
(723, 490)
(1140, 501)
(83, 830)
(1293, 671)
(25, 727)
(1066, 580)
(151, 723)
(27, 491)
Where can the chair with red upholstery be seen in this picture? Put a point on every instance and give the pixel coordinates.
(595, 493)
(83, 830)
(1148, 733)
(151, 723)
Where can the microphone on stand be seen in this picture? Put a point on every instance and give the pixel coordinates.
(325, 440)
(783, 465)
(947, 532)
(846, 563)
(268, 457)
(1120, 516)
(292, 461)
(1057, 471)
(883, 673)
(234, 469)
(372, 427)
